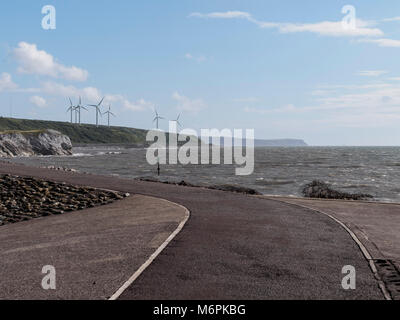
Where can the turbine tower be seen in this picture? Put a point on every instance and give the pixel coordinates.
(76, 114)
(97, 107)
(158, 117)
(108, 114)
(178, 124)
(177, 121)
(79, 107)
(71, 108)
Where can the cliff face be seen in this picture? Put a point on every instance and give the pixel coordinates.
(30, 143)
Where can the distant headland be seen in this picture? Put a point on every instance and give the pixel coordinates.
(280, 143)
(91, 134)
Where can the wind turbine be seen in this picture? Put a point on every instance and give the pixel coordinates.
(178, 124)
(108, 114)
(97, 107)
(158, 117)
(72, 108)
(78, 108)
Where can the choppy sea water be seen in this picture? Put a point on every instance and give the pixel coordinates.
(278, 171)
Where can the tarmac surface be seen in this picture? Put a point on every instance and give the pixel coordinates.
(93, 251)
(377, 227)
(234, 246)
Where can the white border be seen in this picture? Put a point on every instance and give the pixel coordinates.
(363, 249)
(149, 261)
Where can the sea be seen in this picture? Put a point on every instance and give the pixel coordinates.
(277, 171)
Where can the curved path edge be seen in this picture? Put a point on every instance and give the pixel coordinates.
(93, 251)
(359, 243)
(150, 260)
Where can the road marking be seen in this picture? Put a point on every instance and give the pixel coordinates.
(363, 249)
(149, 261)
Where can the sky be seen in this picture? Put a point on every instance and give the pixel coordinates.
(285, 68)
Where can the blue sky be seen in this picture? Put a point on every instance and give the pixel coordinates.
(288, 69)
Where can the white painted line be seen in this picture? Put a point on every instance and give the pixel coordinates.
(364, 250)
(149, 261)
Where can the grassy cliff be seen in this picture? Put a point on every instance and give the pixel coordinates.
(81, 134)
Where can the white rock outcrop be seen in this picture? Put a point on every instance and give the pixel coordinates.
(30, 143)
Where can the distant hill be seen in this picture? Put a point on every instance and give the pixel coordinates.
(79, 134)
(265, 143)
(280, 143)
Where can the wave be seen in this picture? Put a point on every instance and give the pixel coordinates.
(276, 182)
(82, 155)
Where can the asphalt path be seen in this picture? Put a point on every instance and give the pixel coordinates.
(239, 247)
(93, 251)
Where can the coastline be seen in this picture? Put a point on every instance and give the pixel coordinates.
(278, 171)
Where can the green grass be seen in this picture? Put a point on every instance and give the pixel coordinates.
(22, 131)
(82, 134)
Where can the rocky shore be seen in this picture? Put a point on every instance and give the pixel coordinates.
(23, 199)
(319, 189)
(220, 187)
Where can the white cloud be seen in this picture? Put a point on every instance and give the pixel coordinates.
(320, 92)
(91, 95)
(287, 108)
(222, 15)
(391, 43)
(34, 61)
(248, 99)
(334, 29)
(53, 88)
(372, 73)
(38, 101)
(356, 86)
(6, 82)
(391, 19)
(360, 106)
(199, 59)
(139, 105)
(326, 28)
(186, 104)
